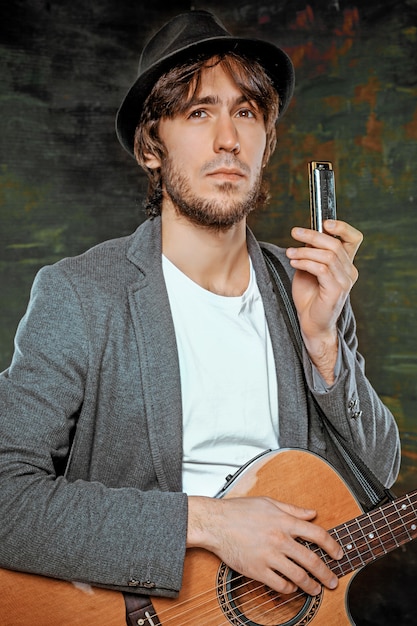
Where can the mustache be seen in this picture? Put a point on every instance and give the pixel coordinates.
(228, 161)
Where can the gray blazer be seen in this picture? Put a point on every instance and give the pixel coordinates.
(91, 423)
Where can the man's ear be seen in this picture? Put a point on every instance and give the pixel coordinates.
(151, 161)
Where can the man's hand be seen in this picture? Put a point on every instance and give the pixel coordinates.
(324, 278)
(257, 537)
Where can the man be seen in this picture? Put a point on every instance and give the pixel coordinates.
(151, 366)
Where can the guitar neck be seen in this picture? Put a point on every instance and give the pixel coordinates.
(374, 534)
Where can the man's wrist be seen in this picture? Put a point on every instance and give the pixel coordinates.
(323, 353)
(202, 514)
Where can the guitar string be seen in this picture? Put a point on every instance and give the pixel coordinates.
(359, 542)
(216, 609)
(396, 523)
(206, 598)
(266, 594)
(265, 613)
(376, 533)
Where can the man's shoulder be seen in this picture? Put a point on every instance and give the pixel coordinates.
(110, 256)
(108, 266)
(100, 262)
(110, 249)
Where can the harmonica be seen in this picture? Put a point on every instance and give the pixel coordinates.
(322, 193)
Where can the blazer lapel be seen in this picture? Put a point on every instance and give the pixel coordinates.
(291, 393)
(157, 348)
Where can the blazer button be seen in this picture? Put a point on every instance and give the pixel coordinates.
(147, 584)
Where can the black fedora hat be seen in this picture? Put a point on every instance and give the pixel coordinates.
(183, 38)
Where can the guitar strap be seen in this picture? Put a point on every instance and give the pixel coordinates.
(369, 490)
(139, 609)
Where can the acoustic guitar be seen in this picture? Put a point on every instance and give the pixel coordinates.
(214, 595)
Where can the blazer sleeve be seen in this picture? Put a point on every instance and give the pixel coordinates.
(355, 409)
(117, 537)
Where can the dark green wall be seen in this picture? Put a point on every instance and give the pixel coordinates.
(65, 183)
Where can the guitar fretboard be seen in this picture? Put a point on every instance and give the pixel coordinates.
(374, 534)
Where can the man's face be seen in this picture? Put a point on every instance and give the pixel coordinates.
(215, 149)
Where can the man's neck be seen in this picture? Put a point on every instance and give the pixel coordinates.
(216, 260)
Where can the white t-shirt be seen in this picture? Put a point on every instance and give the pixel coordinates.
(228, 379)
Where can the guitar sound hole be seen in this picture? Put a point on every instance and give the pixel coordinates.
(249, 603)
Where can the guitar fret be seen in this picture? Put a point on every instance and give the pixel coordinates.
(386, 515)
(398, 519)
(404, 520)
(354, 532)
(374, 534)
(336, 566)
(405, 535)
(371, 539)
(379, 549)
(412, 513)
(344, 564)
(352, 559)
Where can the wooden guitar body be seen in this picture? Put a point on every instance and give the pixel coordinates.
(289, 476)
(212, 594)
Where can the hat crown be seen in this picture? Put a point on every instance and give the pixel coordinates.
(182, 31)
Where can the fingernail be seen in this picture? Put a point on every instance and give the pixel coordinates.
(333, 583)
(318, 590)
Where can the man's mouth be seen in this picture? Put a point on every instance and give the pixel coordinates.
(223, 173)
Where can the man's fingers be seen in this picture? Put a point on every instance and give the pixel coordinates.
(343, 236)
(350, 237)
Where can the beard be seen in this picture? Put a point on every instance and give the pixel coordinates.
(219, 215)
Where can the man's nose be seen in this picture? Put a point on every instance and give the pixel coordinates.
(226, 138)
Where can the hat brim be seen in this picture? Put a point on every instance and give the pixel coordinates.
(275, 61)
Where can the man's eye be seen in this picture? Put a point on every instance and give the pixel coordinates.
(246, 113)
(198, 113)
